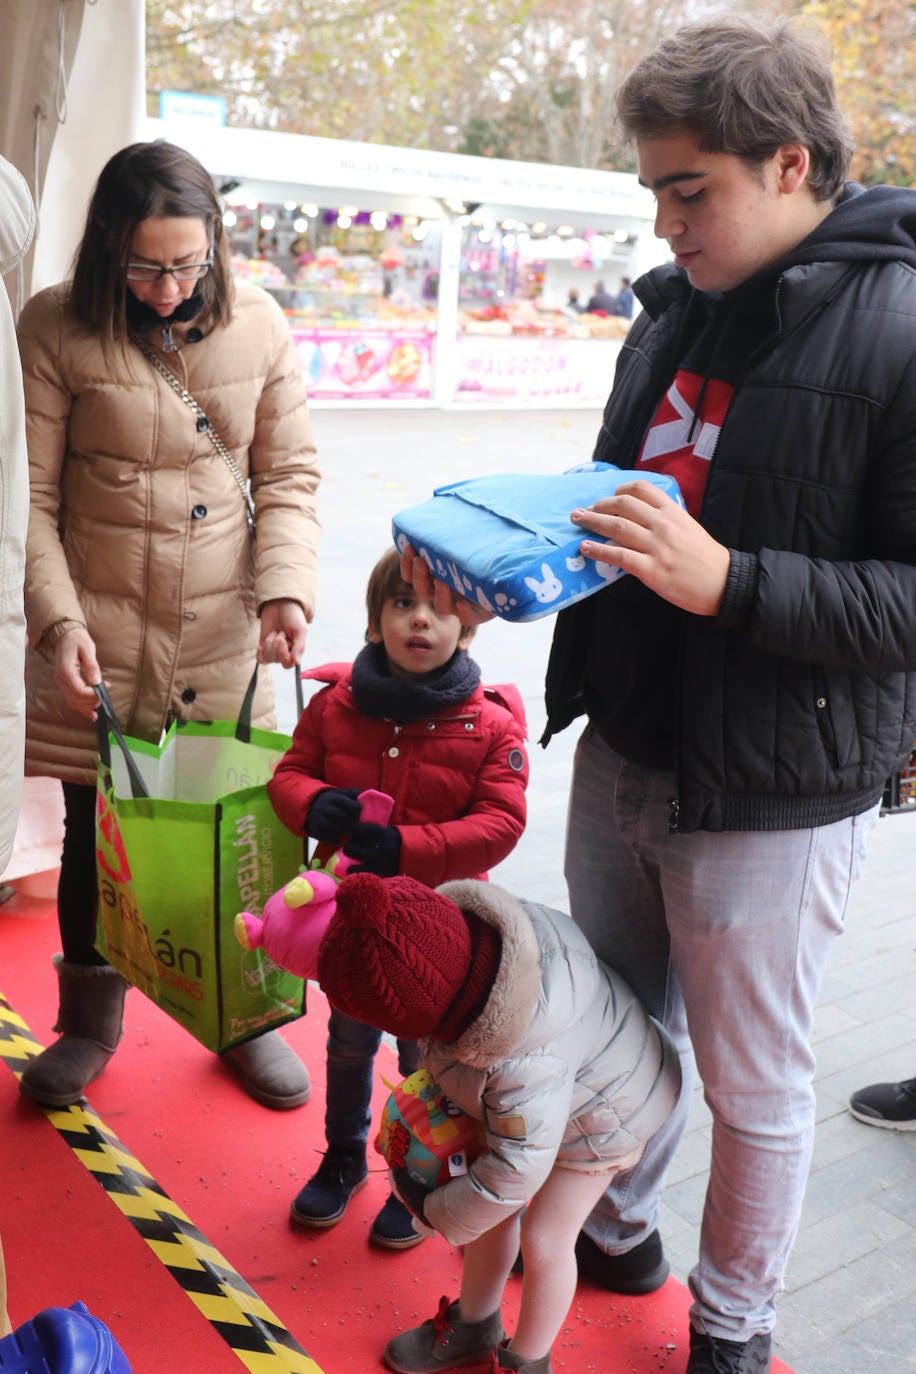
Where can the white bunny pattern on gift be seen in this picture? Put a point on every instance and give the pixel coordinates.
(548, 588)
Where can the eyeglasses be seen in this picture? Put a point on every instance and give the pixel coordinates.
(189, 271)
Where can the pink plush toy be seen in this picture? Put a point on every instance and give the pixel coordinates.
(296, 917)
(294, 920)
(376, 808)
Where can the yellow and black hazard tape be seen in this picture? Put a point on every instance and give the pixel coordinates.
(220, 1294)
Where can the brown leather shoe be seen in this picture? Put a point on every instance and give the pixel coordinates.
(445, 1341)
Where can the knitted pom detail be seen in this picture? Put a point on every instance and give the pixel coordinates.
(363, 901)
(395, 954)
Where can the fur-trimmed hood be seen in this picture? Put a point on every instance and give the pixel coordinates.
(505, 1019)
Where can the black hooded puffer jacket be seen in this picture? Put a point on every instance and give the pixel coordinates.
(792, 706)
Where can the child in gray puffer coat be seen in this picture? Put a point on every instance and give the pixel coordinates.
(523, 1028)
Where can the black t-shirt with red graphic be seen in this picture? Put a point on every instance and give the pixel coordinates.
(684, 432)
(681, 441)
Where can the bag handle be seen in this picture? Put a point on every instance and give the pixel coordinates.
(107, 724)
(243, 728)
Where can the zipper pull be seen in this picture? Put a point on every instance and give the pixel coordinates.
(674, 815)
(168, 343)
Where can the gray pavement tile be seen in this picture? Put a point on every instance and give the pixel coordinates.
(894, 995)
(870, 1039)
(699, 1115)
(832, 1188)
(831, 1019)
(841, 1237)
(901, 1249)
(858, 1354)
(686, 1198)
(851, 1294)
(900, 1201)
(838, 1137)
(692, 1157)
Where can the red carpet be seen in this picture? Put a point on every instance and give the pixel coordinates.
(164, 1209)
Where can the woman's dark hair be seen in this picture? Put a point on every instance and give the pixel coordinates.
(144, 181)
(746, 88)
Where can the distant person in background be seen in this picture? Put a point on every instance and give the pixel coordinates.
(601, 301)
(891, 1105)
(625, 299)
(573, 305)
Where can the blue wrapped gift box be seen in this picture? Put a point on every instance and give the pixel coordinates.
(507, 542)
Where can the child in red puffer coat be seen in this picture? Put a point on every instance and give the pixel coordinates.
(409, 718)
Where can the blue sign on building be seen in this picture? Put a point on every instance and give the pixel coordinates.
(208, 109)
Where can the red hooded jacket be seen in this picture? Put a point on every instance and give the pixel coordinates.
(457, 778)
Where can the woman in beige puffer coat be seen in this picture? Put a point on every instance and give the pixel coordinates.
(141, 566)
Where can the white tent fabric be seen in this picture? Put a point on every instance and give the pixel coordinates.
(105, 110)
(72, 91)
(38, 39)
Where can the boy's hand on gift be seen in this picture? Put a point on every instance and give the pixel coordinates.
(412, 1194)
(415, 572)
(375, 848)
(333, 814)
(657, 541)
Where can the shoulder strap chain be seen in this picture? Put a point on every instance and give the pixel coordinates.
(202, 423)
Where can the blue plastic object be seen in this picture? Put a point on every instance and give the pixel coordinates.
(62, 1340)
(507, 541)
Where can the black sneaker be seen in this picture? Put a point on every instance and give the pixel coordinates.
(713, 1355)
(640, 1270)
(891, 1105)
(393, 1227)
(323, 1200)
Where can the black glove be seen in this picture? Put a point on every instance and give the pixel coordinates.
(376, 849)
(412, 1194)
(333, 814)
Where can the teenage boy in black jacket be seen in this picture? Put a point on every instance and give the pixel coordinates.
(751, 685)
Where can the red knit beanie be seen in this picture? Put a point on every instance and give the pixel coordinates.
(405, 959)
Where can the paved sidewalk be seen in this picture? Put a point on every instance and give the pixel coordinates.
(850, 1304)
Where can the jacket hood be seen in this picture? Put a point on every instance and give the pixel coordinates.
(327, 672)
(502, 1024)
(872, 225)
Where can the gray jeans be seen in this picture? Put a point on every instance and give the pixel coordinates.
(725, 937)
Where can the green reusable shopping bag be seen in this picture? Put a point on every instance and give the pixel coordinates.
(186, 837)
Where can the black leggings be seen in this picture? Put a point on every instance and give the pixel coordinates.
(78, 885)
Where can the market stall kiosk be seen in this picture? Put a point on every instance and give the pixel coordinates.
(419, 278)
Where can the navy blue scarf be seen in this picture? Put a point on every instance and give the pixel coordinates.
(378, 694)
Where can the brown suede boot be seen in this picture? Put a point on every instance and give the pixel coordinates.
(445, 1341)
(89, 1018)
(507, 1359)
(272, 1073)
